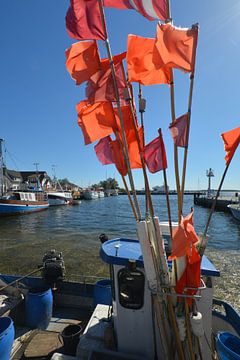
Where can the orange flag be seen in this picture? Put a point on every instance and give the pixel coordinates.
(96, 120)
(183, 237)
(144, 63)
(133, 149)
(82, 60)
(177, 46)
(231, 141)
(118, 157)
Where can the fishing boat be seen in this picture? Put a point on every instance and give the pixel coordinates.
(23, 202)
(26, 201)
(58, 196)
(235, 210)
(89, 194)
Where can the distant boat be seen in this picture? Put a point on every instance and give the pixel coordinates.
(23, 202)
(235, 210)
(90, 194)
(59, 197)
(100, 194)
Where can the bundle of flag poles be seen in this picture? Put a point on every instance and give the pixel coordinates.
(108, 116)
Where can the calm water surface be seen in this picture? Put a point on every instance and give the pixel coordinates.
(74, 230)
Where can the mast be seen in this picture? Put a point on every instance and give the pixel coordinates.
(1, 169)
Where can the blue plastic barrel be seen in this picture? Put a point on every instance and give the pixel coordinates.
(102, 293)
(38, 308)
(6, 337)
(228, 346)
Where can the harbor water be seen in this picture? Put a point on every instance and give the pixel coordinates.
(74, 230)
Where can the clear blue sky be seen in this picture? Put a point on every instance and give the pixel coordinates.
(38, 97)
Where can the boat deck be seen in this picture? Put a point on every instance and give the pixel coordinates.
(42, 344)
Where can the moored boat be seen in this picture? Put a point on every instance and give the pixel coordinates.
(90, 194)
(23, 202)
(235, 210)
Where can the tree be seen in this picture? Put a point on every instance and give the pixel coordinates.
(110, 183)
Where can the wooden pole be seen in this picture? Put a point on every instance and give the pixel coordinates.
(125, 152)
(147, 188)
(129, 198)
(167, 199)
(142, 110)
(215, 200)
(188, 126)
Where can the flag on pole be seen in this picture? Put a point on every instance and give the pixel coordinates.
(144, 63)
(179, 130)
(100, 86)
(82, 60)
(96, 120)
(83, 20)
(177, 46)
(183, 237)
(231, 141)
(104, 151)
(150, 9)
(155, 155)
(118, 157)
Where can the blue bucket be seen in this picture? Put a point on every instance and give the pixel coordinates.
(6, 337)
(102, 293)
(38, 308)
(228, 346)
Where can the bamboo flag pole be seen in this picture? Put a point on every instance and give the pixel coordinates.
(129, 198)
(215, 200)
(188, 127)
(167, 199)
(125, 152)
(179, 197)
(147, 188)
(142, 106)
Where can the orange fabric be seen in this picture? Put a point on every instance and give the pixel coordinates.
(105, 64)
(82, 60)
(144, 63)
(183, 237)
(231, 141)
(96, 120)
(191, 276)
(177, 47)
(133, 149)
(118, 157)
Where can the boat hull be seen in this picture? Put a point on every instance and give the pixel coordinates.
(14, 207)
(59, 198)
(235, 211)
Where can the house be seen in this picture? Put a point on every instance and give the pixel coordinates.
(20, 180)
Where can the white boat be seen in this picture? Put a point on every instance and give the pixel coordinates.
(90, 194)
(100, 194)
(59, 197)
(235, 210)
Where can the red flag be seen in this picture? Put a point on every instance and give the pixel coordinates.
(231, 141)
(151, 9)
(82, 60)
(104, 151)
(191, 277)
(179, 130)
(155, 155)
(101, 87)
(183, 237)
(144, 63)
(177, 46)
(83, 20)
(96, 120)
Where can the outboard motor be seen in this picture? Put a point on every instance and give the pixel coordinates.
(53, 270)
